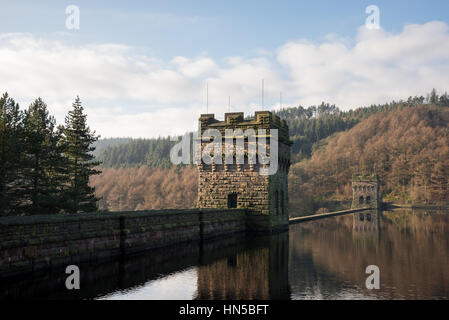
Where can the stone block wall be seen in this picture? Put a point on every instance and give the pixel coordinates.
(154, 229)
(215, 223)
(31, 243)
(215, 184)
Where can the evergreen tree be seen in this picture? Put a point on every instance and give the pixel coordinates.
(11, 135)
(433, 97)
(444, 100)
(43, 162)
(78, 141)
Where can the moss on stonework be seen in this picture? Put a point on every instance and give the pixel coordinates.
(365, 177)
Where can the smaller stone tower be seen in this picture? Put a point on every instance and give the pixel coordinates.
(365, 191)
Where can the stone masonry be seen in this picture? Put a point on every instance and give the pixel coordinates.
(365, 190)
(241, 185)
(30, 243)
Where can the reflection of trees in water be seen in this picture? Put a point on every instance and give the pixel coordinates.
(417, 222)
(309, 280)
(412, 253)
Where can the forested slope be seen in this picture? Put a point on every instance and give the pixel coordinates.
(146, 188)
(408, 148)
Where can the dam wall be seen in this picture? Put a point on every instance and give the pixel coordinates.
(30, 243)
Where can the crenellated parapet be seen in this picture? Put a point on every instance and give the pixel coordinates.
(235, 120)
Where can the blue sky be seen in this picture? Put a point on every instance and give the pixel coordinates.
(141, 62)
(218, 28)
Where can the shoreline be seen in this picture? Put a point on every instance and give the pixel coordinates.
(414, 206)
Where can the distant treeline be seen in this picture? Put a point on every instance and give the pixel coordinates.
(153, 153)
(102, 144)
(44, 168)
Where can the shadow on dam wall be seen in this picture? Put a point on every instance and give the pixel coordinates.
(221, 265)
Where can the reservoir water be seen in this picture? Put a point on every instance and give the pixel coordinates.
(324, 259)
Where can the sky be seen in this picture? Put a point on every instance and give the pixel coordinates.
(141, 67)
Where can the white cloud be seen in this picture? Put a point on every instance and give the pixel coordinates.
(380, 66)
(126, 94)
(194, 68)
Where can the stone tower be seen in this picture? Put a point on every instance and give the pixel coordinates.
(365, 191)
(233, 184)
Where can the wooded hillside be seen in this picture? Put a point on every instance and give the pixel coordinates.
(408, 148)
(146, 188)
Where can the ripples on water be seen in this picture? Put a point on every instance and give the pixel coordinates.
(324, 259)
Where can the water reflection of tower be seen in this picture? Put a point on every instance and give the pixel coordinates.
(366, 224)
(260, 271)
(366, 220)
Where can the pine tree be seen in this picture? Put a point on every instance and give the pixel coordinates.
(78, 140)
(11, 138)
(43, 161)
(433, 97)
